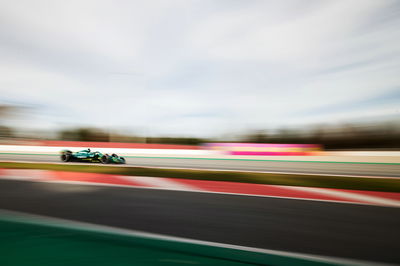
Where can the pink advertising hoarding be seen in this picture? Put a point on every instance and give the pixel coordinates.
(265, 148)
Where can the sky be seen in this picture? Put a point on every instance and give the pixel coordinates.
(199, 68)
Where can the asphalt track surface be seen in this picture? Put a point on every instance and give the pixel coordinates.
(392, 170)
(322, 228)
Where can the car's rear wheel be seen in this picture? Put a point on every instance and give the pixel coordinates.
(66, 157)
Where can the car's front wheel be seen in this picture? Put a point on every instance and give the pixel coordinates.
(105, 159)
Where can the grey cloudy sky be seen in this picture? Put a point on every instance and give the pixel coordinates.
(200, 67)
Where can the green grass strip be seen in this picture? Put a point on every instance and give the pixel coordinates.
(33, 243)
(323, 181)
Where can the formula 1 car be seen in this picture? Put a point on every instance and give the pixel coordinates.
(91, 156)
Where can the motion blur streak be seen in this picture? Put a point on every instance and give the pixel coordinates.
(302, 95)
(319, 167)
(287, 258)
(265, 149)
(321, 228)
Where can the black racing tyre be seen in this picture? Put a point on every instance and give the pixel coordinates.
(66, 157)
(105, 159)
(122, 160)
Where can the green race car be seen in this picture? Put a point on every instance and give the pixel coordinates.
(91, 156)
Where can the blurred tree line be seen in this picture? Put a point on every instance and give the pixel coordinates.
(344, 136)
(93, 134)
(84, 134)
(6, 132)
(5, 112)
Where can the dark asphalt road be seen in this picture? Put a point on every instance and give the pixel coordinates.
(331, 229)
(263, 166)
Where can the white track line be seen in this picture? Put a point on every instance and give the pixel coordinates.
(17, 216)
(347, 195)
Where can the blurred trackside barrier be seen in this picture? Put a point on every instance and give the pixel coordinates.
(266, 149)
(314, 153)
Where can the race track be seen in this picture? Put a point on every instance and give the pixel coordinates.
(330, 229)
(392, 170)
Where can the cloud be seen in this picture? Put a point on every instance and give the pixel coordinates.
(198, 67)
